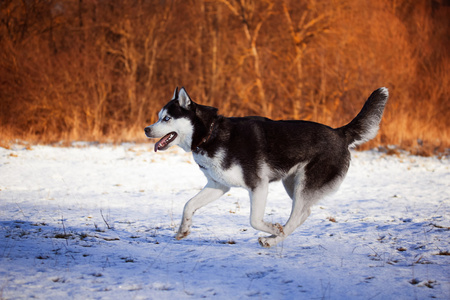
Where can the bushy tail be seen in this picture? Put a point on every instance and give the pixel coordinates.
(364, 126)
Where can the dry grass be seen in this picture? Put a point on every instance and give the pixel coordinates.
(100, 70)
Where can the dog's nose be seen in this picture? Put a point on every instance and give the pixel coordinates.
(147, 130)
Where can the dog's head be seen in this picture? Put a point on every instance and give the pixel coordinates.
(181, 122)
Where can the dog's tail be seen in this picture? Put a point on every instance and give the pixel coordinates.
(364, 126)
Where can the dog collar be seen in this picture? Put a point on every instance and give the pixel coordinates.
(206, 138)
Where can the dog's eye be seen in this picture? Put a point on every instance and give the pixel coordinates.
(166, 118)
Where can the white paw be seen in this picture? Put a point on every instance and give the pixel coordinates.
(268, 241)
(182, 234)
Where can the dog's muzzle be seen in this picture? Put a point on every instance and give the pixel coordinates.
(164, 142)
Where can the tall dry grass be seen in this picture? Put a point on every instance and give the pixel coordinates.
(101, 70)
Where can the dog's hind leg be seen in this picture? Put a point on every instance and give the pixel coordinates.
(300, 209)
(258, 198)
(306, 187)
(304, 197)
(300, 212)
(212, 191)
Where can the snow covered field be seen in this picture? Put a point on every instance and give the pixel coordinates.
(98, 222)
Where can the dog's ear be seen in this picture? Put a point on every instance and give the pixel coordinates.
(184, 99)
(175, 94)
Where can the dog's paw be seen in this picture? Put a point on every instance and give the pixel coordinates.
(181, 235)
(268, 241)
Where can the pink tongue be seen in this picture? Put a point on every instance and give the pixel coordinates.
(162, 142)
(157, 144)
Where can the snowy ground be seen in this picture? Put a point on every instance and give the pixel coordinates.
(98, 222)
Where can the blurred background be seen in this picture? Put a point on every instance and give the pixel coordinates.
(99, 70)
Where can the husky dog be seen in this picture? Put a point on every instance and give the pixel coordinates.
(310, 159)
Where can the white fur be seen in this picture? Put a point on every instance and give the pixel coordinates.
(373, 123)
(183, 127)
(384, 91)
(162, 113)
(371, 133)
(212, 167)
(212, 191)
(175, 93)
(184, 99)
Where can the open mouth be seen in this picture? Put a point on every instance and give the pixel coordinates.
(165, 141)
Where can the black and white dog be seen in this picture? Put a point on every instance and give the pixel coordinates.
(311, 159)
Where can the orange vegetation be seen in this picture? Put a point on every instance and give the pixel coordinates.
(101, 70)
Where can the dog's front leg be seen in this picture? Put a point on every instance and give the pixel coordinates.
(212, 191)
(258, 198)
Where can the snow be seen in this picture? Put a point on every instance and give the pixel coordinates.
(98, 222)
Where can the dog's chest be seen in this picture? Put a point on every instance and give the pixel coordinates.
(213, 168)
